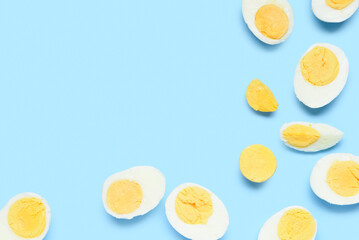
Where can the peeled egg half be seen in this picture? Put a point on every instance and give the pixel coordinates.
(25, 216)
(321, 75)
(334, 11)
(133, 192)
(310, 137)
(271, 21)
(196, 213)
(290, 223)
(335, 179)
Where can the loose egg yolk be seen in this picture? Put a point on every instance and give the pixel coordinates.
(319, 66)
(296, 224)
(272, 21)
(194, 205)
(260, 97)
(343, 178)
(124, 196)
(338, 4)
(257, 163)
(27, 217)
(300, 136)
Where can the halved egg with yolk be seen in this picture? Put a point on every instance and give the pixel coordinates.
(334, 11)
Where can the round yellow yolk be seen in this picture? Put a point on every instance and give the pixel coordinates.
(296, 224)
(319, 66)
(194, 205)
(343, 178)
(27, 217)
(124, 196)
(300, 136)
(260, 97)
(272, 21)
(257, 163)
(338, 4)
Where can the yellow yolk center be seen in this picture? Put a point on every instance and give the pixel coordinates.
(300, 136)
(257, 163)
(27, 217)
(194, 205)
(343, 178)
(260, 97)
(320, 66)
(124, 196)
(272, 21)
(339, 4)
(296, 224)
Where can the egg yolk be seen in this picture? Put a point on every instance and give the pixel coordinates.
(194, 205)
(343, 178)
(124, 196)
(260, 97)
(319, 66)
(27, 217)
(272, 21)
(296, 224)
(257, 163)
(300, 136)
(339, 4)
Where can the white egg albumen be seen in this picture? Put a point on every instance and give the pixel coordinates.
(319, 96)
(6, 232)
(216, 226)
(250, 9)
(327, 14)
(318, 179)
(269, 230)
(153, 185)
(329, 136)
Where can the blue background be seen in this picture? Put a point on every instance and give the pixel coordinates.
(89, 88)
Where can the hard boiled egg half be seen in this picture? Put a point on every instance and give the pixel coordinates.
(25, 216)
(334, 11)
(335, 179)
(196, 213)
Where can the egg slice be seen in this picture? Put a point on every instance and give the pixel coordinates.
(335, 179)
(25, 216)
(334, 11)
(321, 75)
(310, 137)
(260, 97)
(290, 223)
(271, 21)
(133, 192)
(196, 213)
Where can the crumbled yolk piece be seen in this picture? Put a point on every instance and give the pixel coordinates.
(319, 66)
(300, 136)
(296, 224)
(272, 21)
(257, 163)
(124, 196)
(194, 205)
(27, 217)
(339, 4)
(260, 97)
(343, 178)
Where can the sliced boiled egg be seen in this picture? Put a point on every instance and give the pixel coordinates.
(335, 179)
(196, 213)
(133, 192)
(260, 97)
(321, 75)
(290, 223)
(334, 11)
(271, 21)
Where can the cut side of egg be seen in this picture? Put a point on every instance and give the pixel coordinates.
(196, 213)
(25, 216)
(271, 21)
(290, 223)
(334, 11)
(310, 137)
(335, 179)
(260, 97)
(133, 192)
(321, 75)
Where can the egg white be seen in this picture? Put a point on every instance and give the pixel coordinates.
(327, 14)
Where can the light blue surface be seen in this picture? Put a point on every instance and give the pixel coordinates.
(89, 88)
